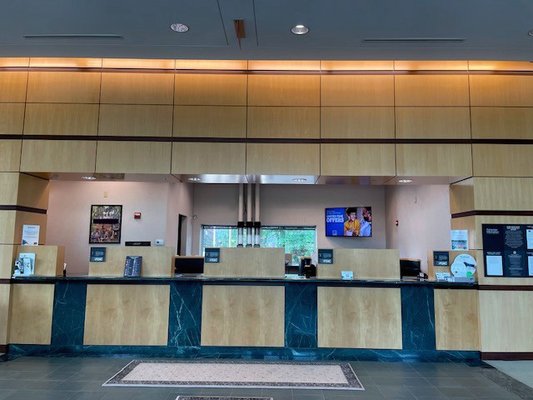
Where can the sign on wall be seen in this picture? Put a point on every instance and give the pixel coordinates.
(508, 250)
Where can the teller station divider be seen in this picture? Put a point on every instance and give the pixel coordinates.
(251, 311)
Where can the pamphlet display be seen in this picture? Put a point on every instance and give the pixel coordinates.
(30, 235)
(508, 250)
(24, 265)
(133, 266)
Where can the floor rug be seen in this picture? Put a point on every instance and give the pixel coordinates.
(237, 374)
(221, 398)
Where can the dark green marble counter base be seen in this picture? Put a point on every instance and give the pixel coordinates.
(16, 350)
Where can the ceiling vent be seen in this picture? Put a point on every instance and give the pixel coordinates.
(73, 36)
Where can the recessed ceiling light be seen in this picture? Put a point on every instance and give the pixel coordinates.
(299, 180)
(299, 29)
(180, 28)
(195, 179)
(405, 180)
(89, 178)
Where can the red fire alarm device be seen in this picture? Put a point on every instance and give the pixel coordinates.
(137, 215)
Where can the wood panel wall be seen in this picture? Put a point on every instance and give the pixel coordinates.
(506, 320)
(24, 200)
(364, 263)
(257, 109)
(248, 262)
(157, 261)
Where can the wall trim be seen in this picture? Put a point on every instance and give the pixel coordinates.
(23, 209)
(507, 356)
(511, 288)
(492, 212)
(172, 139)
(247, 71)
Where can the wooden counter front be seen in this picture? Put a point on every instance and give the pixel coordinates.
(127, 315)
(364, 263)
(366, 318)
(243, 316)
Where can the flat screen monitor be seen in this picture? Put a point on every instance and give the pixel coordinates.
(409, 267)
(188, 265)
(349, 222)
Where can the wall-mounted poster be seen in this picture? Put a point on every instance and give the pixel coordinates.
(106, 223)
(508, 250)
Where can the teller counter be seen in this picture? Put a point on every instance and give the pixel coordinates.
(237, 317)
(245, 307)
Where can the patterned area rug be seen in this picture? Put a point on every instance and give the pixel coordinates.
(238, 374)
(220, 398)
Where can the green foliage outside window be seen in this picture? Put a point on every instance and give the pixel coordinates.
(299, 241)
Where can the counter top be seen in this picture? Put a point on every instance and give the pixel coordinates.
(240, 281)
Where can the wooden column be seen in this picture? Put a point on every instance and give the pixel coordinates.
(23, 200)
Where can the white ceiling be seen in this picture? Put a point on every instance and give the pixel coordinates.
(491, 29)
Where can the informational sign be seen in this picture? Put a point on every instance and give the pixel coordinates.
(325, 256)
(212, 255)
(30, 235)
(441, 258)
(97, 254)
(459, 239)
(508, 250)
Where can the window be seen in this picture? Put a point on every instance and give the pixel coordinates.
(300, 241)
(218, 236)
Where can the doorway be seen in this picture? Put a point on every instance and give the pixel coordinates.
(181, 246)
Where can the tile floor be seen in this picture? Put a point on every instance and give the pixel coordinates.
(64, 378)
(519, 370)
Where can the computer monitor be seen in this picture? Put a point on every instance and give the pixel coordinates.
(409, 267)
(188, 265)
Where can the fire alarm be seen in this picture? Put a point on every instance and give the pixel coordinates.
(137, 215)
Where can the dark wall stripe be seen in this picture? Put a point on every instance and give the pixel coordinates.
(23, 208)
(493, 212)
(5, 281)
(168, 139)
(267, 72)
(3, 348)
(512, 288)
(506, 356)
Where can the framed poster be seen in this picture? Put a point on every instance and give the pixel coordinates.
(106, 224)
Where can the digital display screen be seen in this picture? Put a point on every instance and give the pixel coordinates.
(349, 222)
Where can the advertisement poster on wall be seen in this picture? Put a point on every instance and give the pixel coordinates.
(106, 224)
